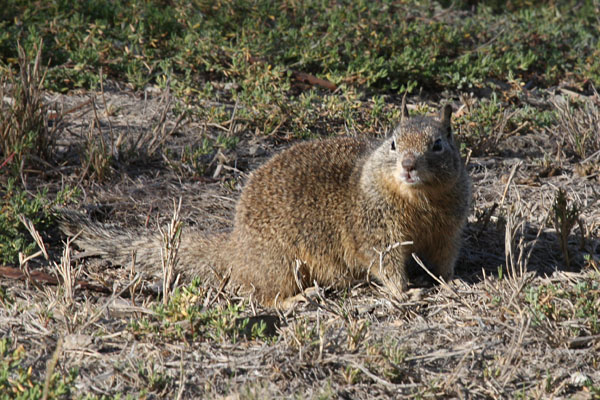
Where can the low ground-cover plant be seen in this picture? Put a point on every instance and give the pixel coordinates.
(14, 238)
(17, 381)
(15, 202)
(573, 307)
(373, 44)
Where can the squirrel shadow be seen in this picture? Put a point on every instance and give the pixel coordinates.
(485, 250)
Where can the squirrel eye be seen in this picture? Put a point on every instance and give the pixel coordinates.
(393, 145)
(437, 145)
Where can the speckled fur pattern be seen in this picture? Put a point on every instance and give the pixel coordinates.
(326, 211)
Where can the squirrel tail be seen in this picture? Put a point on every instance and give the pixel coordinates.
(198, 254)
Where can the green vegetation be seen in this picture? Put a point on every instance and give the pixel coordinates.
(14, 238)
(375, 44)
(185, 318)
(574, 306)
(197, 157)
(15, 202)
(484, 123)
(18, 381)
(237, 58)
(246, 53)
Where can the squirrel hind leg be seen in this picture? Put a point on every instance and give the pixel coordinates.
(266, 274)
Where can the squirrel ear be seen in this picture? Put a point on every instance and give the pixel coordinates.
(403, 108)
(445, 116)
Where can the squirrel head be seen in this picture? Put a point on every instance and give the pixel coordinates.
(424, 151)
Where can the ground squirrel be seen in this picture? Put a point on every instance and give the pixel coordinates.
(328, 211)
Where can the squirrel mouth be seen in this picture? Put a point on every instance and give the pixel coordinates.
(410, 178)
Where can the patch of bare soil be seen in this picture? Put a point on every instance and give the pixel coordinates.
(482, 335)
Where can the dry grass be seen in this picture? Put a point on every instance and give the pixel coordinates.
(26, 128)
(516, 322)
(103, 148)
(579, 125)
(471, 340)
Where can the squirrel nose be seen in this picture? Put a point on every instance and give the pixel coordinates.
(408, 162)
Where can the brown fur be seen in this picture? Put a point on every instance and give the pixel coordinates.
(323, 211)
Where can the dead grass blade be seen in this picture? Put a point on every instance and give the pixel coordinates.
(66, 273)
(160, 133)
(113, 146)
(369, 374)
(51, 366)
(97, 154)
(35, 235)
(110, 300)
(171, 238)
(440, 281)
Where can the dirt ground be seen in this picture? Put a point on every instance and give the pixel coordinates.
(478, 336)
